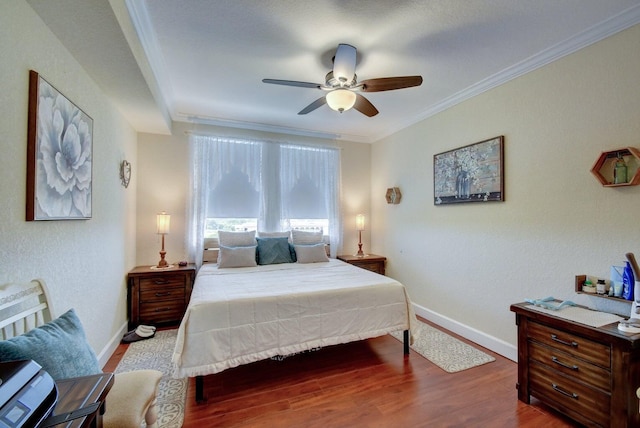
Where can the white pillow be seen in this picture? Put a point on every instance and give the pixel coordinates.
(234, 257)
(236, 239)
(303, 237)
(311, 253)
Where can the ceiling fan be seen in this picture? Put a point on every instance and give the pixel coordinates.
(342, 86)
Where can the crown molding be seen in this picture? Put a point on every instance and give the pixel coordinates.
(596, 33)
(147, 36)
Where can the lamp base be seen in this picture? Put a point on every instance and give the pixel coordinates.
(162, 263)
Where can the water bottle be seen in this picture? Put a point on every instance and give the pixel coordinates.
(628, 282)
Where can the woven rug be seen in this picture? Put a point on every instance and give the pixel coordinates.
(447, 352)
(155, 353)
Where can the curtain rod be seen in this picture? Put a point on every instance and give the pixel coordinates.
(265, 140)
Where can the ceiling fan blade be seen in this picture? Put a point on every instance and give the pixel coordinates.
(314, 105)
(292, 83)
(390, 83)
(364, 106)
(344, 63)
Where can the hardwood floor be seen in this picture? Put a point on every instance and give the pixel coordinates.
(362, 384)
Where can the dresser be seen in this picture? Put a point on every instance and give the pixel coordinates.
(370, 262)
(158, 296)
(589, 374)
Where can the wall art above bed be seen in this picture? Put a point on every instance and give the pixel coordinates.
(473, 173)
(59, 155)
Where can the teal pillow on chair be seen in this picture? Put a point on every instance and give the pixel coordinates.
(60, 347)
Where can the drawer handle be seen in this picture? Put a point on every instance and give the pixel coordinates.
(564, 342)
(163, 309)
(160, 281)
(561, 391)
(166, 293)
(560, 363)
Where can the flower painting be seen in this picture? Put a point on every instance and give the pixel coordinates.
(474, 173)
(59, 155)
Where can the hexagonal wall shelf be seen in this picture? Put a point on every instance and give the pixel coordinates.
(393, 195)
(603, 168)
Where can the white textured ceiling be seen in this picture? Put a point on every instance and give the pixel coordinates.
(204, 61)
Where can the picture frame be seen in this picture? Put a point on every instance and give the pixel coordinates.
(59, 155)
(473, 173)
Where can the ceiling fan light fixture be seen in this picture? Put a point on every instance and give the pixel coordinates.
(341, 99)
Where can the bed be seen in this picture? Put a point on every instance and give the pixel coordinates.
(240, 315)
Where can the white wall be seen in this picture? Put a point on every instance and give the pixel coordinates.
(163, 173)
(465, 264)
(83, 262)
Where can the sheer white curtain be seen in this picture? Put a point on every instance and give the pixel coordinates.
(273, 181)
(310, 186)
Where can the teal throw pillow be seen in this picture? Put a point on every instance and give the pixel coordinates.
(60, 347)
(273, 251)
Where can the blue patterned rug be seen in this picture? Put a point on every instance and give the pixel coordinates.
(447, 352)
(156, 353)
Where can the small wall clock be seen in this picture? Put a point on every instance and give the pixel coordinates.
(125, 173)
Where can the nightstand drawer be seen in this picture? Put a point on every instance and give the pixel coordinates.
(154, 282)
(374, 267)
(155, 293)
(163, 311)
(594, 352)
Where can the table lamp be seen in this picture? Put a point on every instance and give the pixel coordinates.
(163, 222)
(360, 228)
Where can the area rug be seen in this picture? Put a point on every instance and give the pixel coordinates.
(447, 352)
(155, 353)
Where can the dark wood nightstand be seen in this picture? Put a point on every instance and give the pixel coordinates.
(370, 262)
(159, 296)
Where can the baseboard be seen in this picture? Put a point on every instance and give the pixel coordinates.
(110, 348)
(494, 344)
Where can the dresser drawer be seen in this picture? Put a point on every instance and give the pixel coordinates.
(163, 311)
(566, 394)
(593, 352)
(577, 368)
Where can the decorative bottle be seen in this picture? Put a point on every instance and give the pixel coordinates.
(628, 282)
(620, 171)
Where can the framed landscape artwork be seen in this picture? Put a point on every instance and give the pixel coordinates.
(59, 155)
(473, 173)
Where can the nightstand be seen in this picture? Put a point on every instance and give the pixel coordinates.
(370, 262)
(158, 296)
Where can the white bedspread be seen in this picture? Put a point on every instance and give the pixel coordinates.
(241, 315)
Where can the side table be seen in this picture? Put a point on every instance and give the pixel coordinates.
(159, 296)
(370, 262)
(81, 396)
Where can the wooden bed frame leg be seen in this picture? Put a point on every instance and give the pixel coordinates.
(199, 389)
(406, 342)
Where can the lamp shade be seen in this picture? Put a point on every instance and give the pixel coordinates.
(341, 99)
(360, 222)
(163, 223)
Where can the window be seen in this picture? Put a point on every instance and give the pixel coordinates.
(258, 185)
